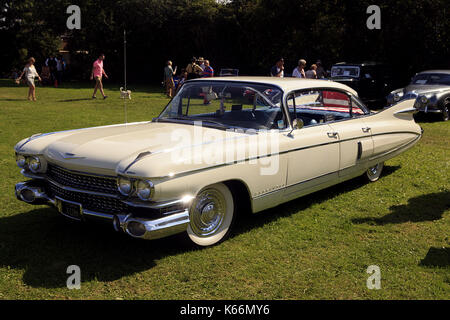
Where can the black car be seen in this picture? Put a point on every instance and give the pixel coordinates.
(433, 86)
(371, 80)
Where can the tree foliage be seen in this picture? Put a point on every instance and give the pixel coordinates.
(245, 34)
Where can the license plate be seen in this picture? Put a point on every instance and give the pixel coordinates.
(70, 209)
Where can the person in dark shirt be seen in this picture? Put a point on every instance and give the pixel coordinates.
(278, 69)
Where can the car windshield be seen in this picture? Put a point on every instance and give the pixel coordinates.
(345, 71)
(225, 104)
(432, 78)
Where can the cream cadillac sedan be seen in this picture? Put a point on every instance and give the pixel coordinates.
(220, 147)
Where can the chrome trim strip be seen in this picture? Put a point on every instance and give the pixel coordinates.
(396, 149)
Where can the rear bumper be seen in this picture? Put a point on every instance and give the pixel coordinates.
(172, 222)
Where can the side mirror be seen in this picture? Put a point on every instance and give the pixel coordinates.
(298, 123)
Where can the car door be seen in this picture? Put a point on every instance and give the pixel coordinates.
(313, 153)
(355, 138)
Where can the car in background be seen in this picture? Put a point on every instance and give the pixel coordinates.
(372, 80)
(433, 86)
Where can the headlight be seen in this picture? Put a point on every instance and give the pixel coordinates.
(398, 96)
(21, 161)
(424, 100)
(125, 186)
(34, 163)
(145, 189)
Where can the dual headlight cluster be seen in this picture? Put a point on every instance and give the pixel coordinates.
(33, 163)
(144, 189)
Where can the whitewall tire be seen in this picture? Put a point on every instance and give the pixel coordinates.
(373, 174)
(211, 215)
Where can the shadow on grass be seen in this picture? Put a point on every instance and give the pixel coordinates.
(436, 257)
(75, 100)
(286, 209)
(44, 244)
(428, 207)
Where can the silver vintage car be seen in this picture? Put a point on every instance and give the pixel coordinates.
(434, 88)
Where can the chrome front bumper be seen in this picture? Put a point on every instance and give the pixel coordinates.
(171, 223)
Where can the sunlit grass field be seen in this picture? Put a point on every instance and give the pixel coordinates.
(316, 247)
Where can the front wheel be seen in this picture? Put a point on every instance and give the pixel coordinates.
(373, 174)
(211, 215)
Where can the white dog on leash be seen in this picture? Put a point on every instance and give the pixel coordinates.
(125, 93)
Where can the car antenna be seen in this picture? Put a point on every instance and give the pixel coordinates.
(125, 71)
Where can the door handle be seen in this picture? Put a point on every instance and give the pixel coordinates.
(332, 134)
(366, 129)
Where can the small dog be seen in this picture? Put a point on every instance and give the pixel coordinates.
(125, 93)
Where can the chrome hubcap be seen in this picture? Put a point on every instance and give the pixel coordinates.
(372, 172)
(207, 212)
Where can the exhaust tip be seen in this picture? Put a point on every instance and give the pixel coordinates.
(136, 229)
(27, 195)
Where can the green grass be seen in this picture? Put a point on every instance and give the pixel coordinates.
(316, 247)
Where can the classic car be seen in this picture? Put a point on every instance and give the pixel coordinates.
(433, 86)
(220, 147)
(371, 80)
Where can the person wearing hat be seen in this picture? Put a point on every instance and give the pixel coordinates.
(278, 69)
(321, 73)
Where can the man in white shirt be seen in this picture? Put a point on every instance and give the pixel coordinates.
(299, 71)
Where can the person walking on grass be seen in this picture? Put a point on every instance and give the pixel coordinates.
(30, 73)
(168, 78)
(97, 73)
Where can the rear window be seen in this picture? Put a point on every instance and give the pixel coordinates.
(345, 71)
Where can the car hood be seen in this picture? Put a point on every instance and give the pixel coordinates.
(114, 148)
(423, 88)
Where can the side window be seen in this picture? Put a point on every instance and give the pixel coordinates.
(325, 105)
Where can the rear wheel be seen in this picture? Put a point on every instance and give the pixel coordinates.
(373, 174)
(446, 112)
(211, 215)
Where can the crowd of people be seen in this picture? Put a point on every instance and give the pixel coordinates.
(54, 68)
(197, 68)
(316, 70)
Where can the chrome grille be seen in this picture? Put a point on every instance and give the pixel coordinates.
(80, 181)
(89, 201)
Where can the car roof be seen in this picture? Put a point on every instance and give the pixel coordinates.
(286, 84)
(359, 64)
(436, 71)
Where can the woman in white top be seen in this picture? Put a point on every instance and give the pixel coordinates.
(299, 71)
(30, 73)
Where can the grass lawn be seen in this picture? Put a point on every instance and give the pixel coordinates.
(316, 247)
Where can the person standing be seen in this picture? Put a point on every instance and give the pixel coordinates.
(59, 69)
(321, 73)
(97, 73)
(299, 71)
(30, 73)
(278, 69)
(311, 73)
(194, 70)
(168, 78)
(52, 63)
(208, 72)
